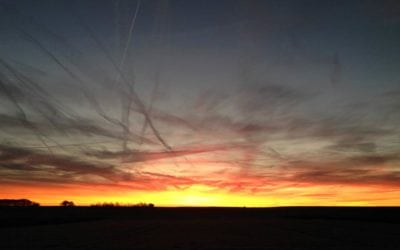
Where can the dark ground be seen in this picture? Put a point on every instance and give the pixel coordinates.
(199, 228)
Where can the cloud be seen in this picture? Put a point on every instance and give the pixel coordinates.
(349, 146)
(28, 161)
(356, 170)
(257, 134)
(143, 156)
(268, 98)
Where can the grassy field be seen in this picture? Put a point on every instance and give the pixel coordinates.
(199, 228)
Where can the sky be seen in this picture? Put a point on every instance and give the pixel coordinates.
(200, 103)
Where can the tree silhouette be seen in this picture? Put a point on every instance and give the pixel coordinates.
(67, 203)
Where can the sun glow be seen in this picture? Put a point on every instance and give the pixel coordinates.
(203, 195)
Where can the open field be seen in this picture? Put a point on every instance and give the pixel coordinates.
(199, 228)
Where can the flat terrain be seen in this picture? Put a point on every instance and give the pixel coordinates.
(199, 228)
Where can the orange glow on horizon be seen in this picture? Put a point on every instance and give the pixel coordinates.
(202, 195)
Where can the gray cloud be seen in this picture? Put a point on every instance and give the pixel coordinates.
(27, 160)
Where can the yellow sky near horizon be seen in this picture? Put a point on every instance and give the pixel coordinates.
(201, 195)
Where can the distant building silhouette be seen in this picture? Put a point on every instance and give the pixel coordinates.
(18, 203)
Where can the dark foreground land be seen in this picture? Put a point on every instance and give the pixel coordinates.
(199, 228)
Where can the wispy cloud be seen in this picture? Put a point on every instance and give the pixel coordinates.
(290, 114)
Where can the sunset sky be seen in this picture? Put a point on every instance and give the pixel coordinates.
(200, 103)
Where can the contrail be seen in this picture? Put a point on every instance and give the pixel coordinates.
(128, 41)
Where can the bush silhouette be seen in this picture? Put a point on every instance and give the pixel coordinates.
(67, 204)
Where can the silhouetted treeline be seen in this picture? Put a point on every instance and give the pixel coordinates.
(116, 204)
(18, 203)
